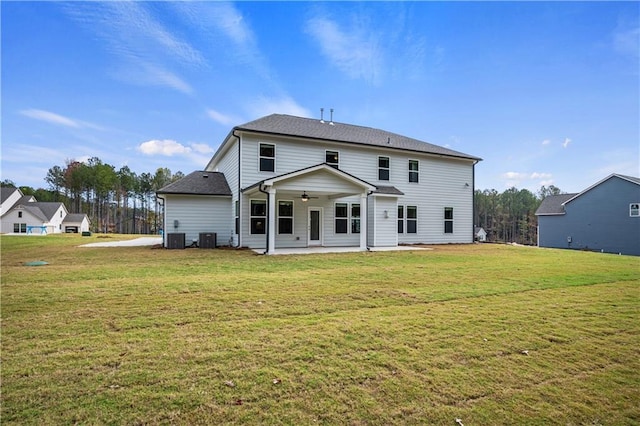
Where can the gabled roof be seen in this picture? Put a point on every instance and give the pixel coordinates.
(631, 179)
(288, 125)
(199, 183)
(44, 209)
(6, 192)
(553, 204)
(75, 218)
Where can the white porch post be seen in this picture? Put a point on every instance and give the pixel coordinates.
(271, 214)
(363, 221)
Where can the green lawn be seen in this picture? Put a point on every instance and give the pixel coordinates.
(488, 334)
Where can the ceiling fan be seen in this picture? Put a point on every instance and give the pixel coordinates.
(305, 197)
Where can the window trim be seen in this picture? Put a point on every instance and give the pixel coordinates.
(634, 210)
(400, 219)
(387, 169)
(448, 220)
(337, 164)
(416, 172)
(337, 218)
(286, 217)
(252, 216)
(260, 157)
(411, 219)
(355, 219)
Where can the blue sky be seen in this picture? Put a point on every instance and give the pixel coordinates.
(545, 93)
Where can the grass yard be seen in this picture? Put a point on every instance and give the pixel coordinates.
(488, 334)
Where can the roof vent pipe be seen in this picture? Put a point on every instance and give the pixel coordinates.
(331, 122)
(322, 115)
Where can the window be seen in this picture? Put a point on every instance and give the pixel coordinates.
(412, 219)
(285, 217)
(634, 209)
(413, 170)
(237, 213)
(355, 218)
(19, 228)
(258, 216)
(448, 220)
(400, 219)
(342, 220)
(267, 157)
(331, 158)
(383, 168)
(19, 214)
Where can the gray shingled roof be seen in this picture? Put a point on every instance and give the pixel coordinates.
(42, 208)
(552, 204)
(390, 190)
(74, 218)
(5, 192)
(199, 183)
(280, 124)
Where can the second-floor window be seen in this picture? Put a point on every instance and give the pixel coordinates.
(383, 168)
(331, 158)
(267, 157)
(413, 170)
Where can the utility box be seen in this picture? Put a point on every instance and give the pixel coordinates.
(175, 240)
(207, 240)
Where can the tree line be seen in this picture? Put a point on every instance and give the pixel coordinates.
(114, 200)
(510, 216)
(124, 202)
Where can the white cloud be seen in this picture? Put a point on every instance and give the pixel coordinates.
(566, 142)
(50, 117)
(265, 106)
(166, 147)
(626, 40)
(354, 51)
(144, 46)
(57, 119)
(546, 142)
(520, 179)
(224, 119)
(201, 148)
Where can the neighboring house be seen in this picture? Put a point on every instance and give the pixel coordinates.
(284, 182)
(76, 223)
(604, 217)
(480, 234)
(22, 214)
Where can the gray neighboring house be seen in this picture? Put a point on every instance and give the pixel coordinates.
(604, 217)
(297, 182)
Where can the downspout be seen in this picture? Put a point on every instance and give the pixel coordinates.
(266, 250)
(164, 218)
(473, 202)
(233, 133)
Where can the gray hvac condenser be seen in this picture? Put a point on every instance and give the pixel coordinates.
(207, 240)
(175, 240)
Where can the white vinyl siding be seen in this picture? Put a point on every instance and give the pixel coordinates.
(441, 184)
(196, 214)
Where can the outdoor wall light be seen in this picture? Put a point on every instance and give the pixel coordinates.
(386, 214)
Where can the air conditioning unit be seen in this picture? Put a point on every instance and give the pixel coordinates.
(175, 240)
(207, 240)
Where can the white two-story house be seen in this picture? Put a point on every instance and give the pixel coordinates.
(284, 182)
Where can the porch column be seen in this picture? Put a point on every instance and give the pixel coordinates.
(363, 221)
(271, 217)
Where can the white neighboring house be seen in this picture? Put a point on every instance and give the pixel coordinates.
(300, 182)
(481, 234)
(24, 215)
